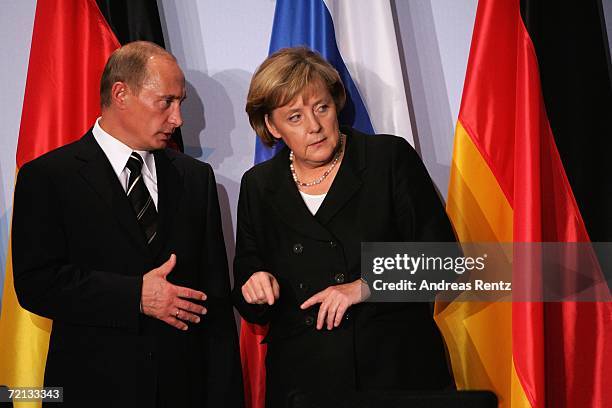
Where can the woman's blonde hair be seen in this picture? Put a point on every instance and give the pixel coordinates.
(282, 77)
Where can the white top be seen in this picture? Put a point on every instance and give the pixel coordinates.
(118, 154)
(313, 202)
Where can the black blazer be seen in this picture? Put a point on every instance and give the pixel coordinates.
(382, 192)
(79, 257)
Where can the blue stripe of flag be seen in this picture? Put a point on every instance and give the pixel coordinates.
(309, 23)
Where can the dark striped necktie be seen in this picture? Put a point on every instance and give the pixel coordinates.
(141, 200)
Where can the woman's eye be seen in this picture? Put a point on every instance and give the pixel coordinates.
(323, 108)
(294, 118)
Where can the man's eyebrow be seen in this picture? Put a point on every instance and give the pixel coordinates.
(170, 96)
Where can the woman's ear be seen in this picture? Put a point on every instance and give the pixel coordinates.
(271, 128)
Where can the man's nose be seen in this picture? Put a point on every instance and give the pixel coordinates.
(176, 118)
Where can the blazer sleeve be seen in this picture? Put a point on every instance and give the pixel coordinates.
(224, 383)
(419, 210)
(247, 259)
(420, 214)
(46, 282)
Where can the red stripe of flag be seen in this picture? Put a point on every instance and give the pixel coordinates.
(71, 42)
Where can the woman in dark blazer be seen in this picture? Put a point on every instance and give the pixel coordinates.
(301, 219)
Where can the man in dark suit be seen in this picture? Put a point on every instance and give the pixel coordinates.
(119, 241)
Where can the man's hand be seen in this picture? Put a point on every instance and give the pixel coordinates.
(164, 301)
(335, 300)
(261, 288)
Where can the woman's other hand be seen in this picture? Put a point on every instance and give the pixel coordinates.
(261, 288)
(335, 300)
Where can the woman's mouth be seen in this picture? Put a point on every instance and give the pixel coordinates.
(317, 143)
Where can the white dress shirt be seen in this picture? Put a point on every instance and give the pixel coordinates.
(118, 155)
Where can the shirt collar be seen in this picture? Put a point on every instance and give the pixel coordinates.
(118, 153)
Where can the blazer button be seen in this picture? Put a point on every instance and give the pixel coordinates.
(309, 320)
(298, 248)
(339, 278)
(347, 316)
(303, 286)
(332, 244)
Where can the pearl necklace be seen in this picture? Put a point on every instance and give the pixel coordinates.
(324, 176)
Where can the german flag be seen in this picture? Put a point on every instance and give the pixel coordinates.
(529, 166)
(71, 41)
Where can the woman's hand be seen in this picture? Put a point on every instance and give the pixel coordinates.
(335, 300)
(261, 288)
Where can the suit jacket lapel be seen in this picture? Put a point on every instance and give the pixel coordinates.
(347, 181)
(285, 198)
(99, 174)
(289, 205)
(169, 188)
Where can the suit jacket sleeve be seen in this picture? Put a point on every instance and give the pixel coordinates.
(46, 282)
(419, 211)
(248, 259)
(420, 214)
(224, 381)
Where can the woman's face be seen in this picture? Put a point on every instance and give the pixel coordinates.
(308, 124)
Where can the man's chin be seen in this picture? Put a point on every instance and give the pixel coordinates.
(161, 144)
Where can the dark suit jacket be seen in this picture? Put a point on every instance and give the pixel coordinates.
(381, 192)
(79, 257)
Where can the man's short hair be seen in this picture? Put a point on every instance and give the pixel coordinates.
(128, 64)
(283, 76)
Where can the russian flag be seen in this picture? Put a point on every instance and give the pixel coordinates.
(358, 38)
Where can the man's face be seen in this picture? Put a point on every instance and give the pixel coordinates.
(152, 114)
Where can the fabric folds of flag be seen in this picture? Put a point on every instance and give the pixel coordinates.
(369, 64)
(508, 184)
(71, 42)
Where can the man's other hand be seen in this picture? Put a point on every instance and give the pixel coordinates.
(167, 302)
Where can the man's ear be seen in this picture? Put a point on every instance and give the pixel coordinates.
(120, 93)
(271, 128)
